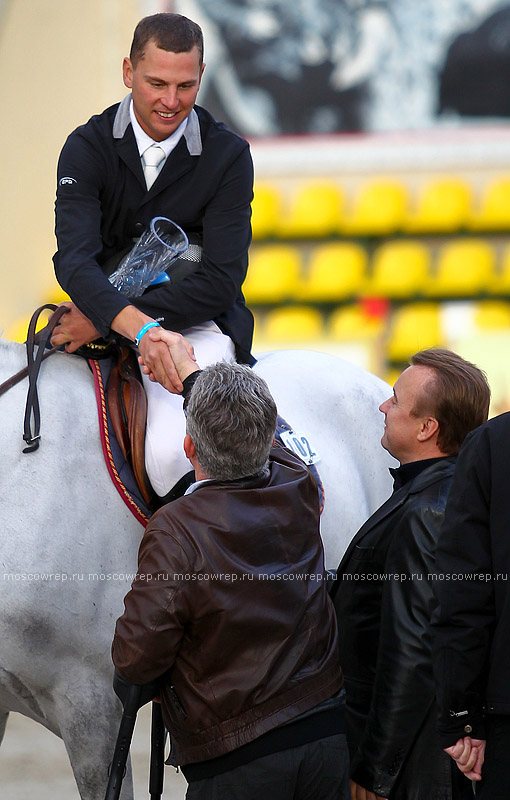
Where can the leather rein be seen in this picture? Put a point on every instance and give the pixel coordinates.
(34, 362)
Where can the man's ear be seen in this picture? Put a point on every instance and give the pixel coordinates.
(189, 448)
(127, 73)
(429, 428)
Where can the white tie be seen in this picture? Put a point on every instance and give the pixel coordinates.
(152, 158)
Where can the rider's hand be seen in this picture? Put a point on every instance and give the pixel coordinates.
(74, 329)
(179, 359)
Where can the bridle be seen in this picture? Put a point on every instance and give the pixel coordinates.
(41, 339)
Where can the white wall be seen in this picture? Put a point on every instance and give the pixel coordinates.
(60, 62)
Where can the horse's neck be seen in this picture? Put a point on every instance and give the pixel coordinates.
(61, 370)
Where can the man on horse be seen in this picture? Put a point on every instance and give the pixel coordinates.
(230, 607)
(109, 190)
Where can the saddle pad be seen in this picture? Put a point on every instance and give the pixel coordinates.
(120, 471)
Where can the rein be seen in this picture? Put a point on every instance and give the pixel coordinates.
(32, 370)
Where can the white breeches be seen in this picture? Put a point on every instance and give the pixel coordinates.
(165, 461)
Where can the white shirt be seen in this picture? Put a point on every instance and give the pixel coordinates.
(191, 488)
(144, 141)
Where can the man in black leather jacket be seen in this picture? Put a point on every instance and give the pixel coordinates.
(384, 592)
(471, 655)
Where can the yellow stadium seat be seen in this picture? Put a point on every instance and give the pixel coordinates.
(353, 323)
(400, 269)
(313, 211)
(392, 376)
(17, 331)
(465, 268)
(414, 327)
(379, 208)
(500, 283)
(443, 206)
(336, 272)
(266, 210)
(274, 273)
(491, 315)
(293, 324)
(493, 213)
(57, 296)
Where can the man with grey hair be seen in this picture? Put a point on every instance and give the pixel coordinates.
(243, 452)
(229, 610)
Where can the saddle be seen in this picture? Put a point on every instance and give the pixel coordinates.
(127, 407)
(122, 408)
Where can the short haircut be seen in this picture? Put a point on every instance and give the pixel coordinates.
(458, 396)
(171, 32)
(231, 419)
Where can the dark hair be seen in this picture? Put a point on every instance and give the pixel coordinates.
(231, 419)
(171, 32)
(458, 396)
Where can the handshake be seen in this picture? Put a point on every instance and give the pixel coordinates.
(179, 361)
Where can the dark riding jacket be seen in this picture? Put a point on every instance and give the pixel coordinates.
(103, 205)
(230, 610)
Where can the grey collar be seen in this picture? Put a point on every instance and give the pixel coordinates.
(191, 134)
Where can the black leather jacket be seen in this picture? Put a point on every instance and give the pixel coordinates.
(472, 622)
(384, 598)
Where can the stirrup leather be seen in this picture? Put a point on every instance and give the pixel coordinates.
(127, 405)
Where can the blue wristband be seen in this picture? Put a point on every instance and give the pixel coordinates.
(143, 331)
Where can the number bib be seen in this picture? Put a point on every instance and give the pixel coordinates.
(299, 445)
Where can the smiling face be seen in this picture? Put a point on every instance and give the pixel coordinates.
(164, 87)
(406, 436)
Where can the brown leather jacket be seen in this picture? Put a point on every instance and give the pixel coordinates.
(230, 606)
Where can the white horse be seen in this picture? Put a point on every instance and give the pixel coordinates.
(69, 544)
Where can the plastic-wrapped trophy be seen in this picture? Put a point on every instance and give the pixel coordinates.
(147, 263)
